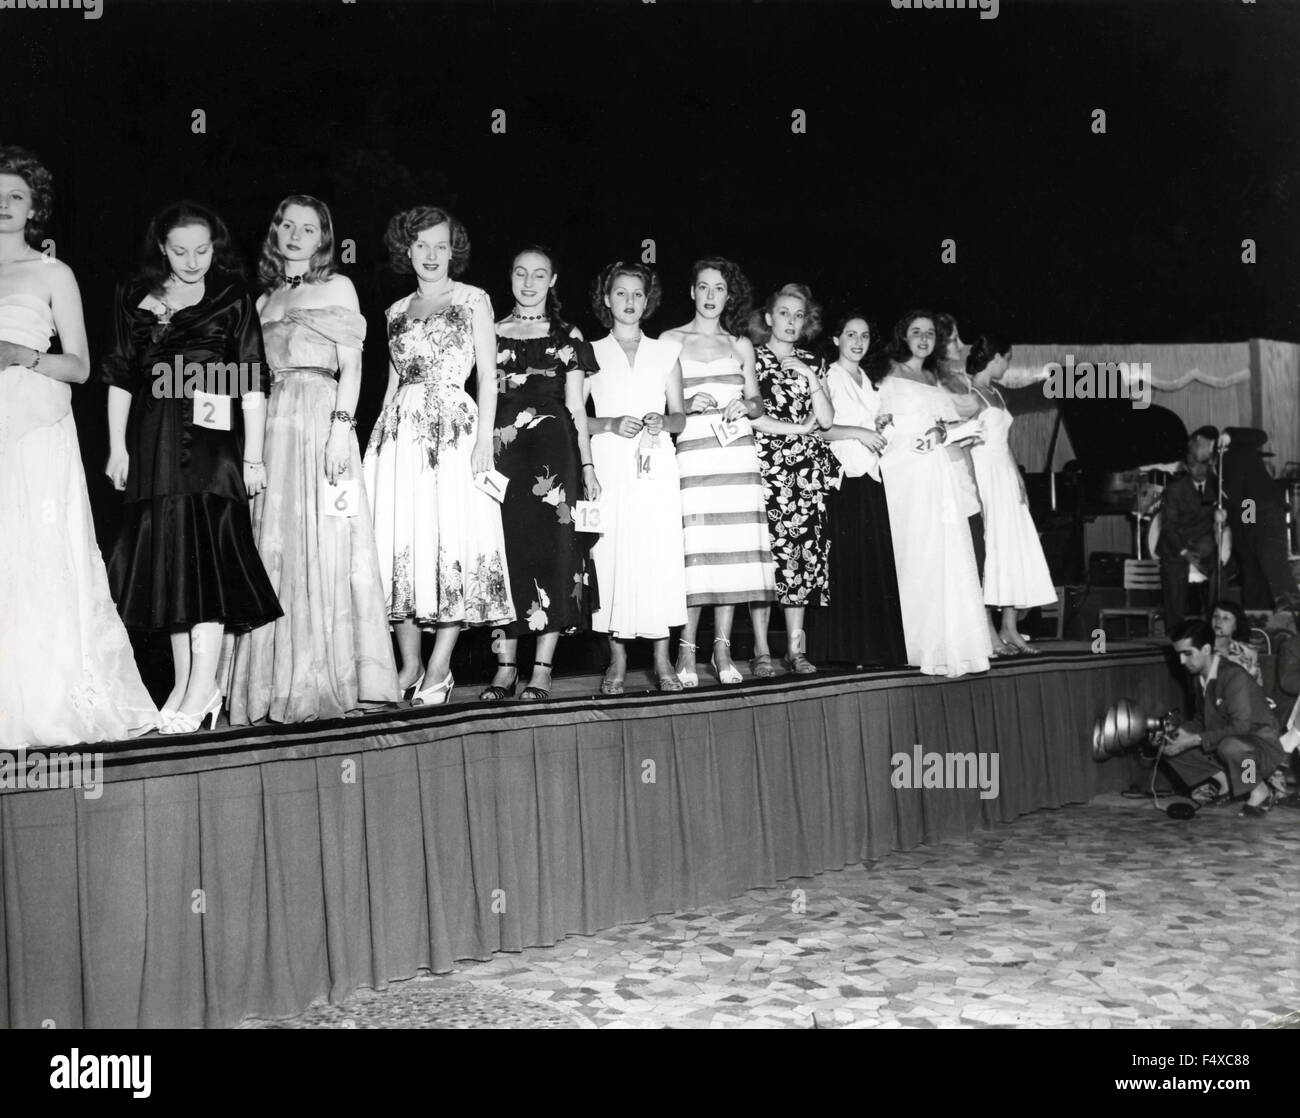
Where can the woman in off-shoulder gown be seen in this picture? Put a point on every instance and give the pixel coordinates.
(331, 650)
(67, 674)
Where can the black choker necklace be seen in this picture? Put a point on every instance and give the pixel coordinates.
(527, 317)
(293, 281)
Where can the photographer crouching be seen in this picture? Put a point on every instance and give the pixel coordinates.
(1231, 748)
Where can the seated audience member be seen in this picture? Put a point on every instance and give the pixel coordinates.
(1233, 739)
(1187, 524)
(1232, 636)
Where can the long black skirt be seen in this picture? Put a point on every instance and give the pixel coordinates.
(864, 622)
(181, 561)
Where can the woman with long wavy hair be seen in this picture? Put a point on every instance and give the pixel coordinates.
(728, 553)
(331, 650)
(944, 625)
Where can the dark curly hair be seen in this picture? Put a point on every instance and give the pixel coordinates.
(405, 228)
(552, 299)
(1241, 623)
(154, 268)
(986, 347)
(23, 164)
(842, 321)
(760, 331)
(605, 283)
(901, 352)
(740, 294)
(270, 268)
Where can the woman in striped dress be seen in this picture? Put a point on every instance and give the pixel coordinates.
(728, 552)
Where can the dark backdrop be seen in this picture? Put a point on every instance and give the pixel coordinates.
(629, 120)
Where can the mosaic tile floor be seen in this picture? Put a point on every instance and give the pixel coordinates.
(1106, 915)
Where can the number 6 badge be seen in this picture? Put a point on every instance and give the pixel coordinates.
(341, 499)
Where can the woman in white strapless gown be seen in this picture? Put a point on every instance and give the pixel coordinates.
(67, 673)
(944, 625)
(1016, 576)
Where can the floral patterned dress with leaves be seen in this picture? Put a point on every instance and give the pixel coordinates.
(441, 549)
(796, 474)
(536, 447)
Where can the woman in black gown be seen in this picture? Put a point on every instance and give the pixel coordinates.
(541, 444)
(186, 418)
(865, 624)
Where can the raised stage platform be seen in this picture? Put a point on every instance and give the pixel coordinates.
(250, 873)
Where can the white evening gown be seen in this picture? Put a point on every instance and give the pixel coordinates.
(1015, 571)
(640, 559)
(944, 625)
(67, 673)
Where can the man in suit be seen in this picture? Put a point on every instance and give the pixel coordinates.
(1187, 516)
(1233, 739)
(1257, 515)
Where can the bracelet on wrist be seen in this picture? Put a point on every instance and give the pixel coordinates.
(343, 417)
(588, 466)
(262, 465)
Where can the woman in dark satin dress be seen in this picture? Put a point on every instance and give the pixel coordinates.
(186, 417)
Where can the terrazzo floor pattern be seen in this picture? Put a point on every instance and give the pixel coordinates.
(1105, 915)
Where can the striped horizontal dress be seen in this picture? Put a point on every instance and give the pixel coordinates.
(724, 520)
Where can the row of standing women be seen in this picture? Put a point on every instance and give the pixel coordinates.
(337, 549)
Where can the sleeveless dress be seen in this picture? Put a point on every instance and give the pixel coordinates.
(640, 568)
(796, 472)
(332, 649)
(441, 550)
(866, 624)
(185, 553)
(67, 674)
(1015, 570)
(536, 446)
(944, 624)
(724, 519)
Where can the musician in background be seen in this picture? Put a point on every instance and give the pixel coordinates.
(1187, 518)
(1257, 516)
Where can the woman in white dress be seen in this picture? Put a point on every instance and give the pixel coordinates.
(724, 516)
(441, 550)
(640, 562)
(1016, 577)
(944, 625)
(67, 674)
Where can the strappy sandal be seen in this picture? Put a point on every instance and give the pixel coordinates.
(536, 694)
(762, 667)
(794, 658)
(691, 678)
(496, 693)
(611, 686)
(730, 675)
(670, 683)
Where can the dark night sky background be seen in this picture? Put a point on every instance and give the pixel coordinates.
(672, 121)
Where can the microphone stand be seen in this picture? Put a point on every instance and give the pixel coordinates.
(1219, 528)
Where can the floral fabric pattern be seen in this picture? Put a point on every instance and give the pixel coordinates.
(796, 474)
(441, 548)
(535, 444)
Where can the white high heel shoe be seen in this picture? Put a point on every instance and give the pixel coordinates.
(691, 678)
(729, 675)
(437, 695)
(182, 723)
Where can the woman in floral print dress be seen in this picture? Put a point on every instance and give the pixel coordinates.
(441, 552)
(542, 446)
(797, 468)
